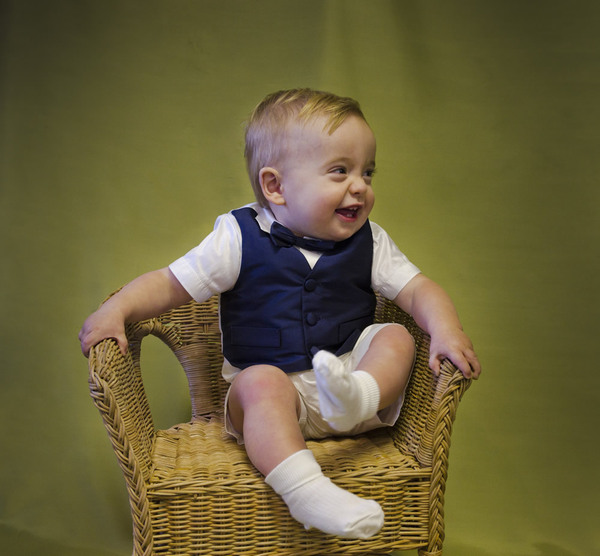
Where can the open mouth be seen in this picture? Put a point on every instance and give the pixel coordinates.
(350, 213)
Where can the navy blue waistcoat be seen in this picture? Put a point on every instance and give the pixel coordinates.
(281, 312)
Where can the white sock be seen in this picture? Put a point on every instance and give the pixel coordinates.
(315, 501)
(345, 398)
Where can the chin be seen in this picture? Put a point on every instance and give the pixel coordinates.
(345, 235)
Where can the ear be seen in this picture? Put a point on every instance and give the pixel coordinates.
(270, 183)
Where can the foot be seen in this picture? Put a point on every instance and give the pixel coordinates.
(315, 501)
(346, 398)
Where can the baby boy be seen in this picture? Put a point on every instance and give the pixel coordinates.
(296, 272)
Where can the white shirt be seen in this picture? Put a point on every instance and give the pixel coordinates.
(214, 266)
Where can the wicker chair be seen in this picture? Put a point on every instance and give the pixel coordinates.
(192, 490)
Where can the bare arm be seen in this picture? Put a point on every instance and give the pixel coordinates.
(434, 312)
(147, 296)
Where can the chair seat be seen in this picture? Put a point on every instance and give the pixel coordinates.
(204, 492)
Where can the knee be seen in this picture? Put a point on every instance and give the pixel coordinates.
(398, 338)
(261, 382)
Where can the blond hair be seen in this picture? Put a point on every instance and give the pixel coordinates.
(266, 128)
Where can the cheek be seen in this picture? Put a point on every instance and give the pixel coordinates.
(326, 200)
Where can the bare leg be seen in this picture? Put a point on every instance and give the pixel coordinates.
(264, 405)
(389, 360)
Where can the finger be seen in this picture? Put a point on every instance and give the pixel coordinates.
(475, 365)
(85, 345)
(435, 364)
(471, 364)
(85, 350)
(461, 362)
(466, 369)
(123, 344)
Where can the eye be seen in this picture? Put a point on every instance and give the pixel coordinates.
(338, 170)
(369, 173)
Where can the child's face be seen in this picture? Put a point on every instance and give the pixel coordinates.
(325, 180)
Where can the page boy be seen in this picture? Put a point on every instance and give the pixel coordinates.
(296, 272)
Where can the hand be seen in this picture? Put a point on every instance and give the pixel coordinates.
(454, 344)
(104, 323)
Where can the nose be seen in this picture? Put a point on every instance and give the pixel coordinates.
(358, 186)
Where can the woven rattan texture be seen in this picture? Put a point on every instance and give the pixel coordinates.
(193, 490)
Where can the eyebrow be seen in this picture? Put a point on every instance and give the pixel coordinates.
(346, 160)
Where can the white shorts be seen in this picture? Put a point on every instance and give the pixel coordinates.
(312, 424)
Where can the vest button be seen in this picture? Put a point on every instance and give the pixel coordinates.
(310, 285)
(311, 319)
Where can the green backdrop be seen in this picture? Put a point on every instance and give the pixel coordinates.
(121, 141)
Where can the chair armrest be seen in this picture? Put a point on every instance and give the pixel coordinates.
(430, 403)
(425, 424)
(117, 390)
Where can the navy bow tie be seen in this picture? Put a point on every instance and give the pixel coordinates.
(283, 237)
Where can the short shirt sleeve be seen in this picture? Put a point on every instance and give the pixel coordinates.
(391, 268)
(213, 266)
